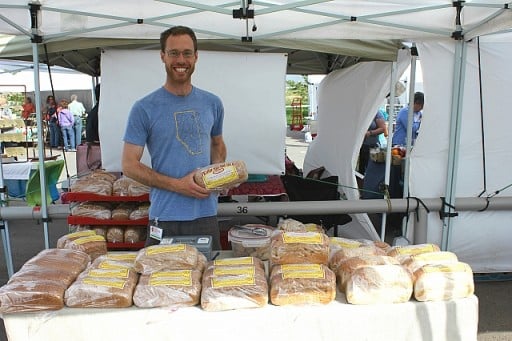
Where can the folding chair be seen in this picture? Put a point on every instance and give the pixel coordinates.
(52, 171)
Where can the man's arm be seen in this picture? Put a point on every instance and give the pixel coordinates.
(136, 170)
(218, 150)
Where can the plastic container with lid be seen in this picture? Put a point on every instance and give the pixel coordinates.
(251, 240)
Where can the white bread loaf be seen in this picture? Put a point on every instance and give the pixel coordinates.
(174, 288)
(414, 262)
(302, 284)
(346, 253)
(347, 268)
(221, 176)
(374, 284)
(299, 247)
(441, 282)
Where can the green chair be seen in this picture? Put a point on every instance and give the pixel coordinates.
(52, 171)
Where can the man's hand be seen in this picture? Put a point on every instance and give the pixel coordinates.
(187, 186)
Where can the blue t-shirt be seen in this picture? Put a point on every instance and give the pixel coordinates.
(177, 131)
(400, 132)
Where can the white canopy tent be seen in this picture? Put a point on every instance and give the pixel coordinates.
(335, 32)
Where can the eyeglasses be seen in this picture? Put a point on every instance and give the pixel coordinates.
(187, 54)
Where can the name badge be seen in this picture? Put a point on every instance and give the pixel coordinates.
(155, 232)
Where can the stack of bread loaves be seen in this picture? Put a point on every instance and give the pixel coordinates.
(234, 283)
(299, 273)
(170, 276)
(41, 282)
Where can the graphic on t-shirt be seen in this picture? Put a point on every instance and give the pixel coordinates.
(188, 131)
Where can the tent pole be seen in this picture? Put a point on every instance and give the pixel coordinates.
(391, 110)
(36, 39)
(454, 141)
(408, 139)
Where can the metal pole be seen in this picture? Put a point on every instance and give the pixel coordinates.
(4, 224)
(454, 138)
(387, 173)
(420, 226)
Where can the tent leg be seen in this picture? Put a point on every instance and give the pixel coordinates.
(4, 230)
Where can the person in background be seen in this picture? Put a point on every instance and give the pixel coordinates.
(78, 111)
(181, 125)
(51, 116)
(400, 134)
(66, 121)
(371, 140)
(91, 126)
(28, 109)
(5, 111)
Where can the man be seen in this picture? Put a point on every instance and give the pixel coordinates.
(78, 110)
(181, 125)
(399, 136)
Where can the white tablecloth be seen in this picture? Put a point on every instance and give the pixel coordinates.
(17, 171)
(451, 320)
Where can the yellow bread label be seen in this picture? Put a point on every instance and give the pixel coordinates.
(434, 256)
(455, 267)
(122, 256)
(314, 272)
(108, 265)
(415, 249)
(218, 176)
(81, 234)
(236, 270)
(301, 267)
(171, 278)
(302, 238)
(234, 261)
(156, 249)
(90, 239)
(113, 273)
(232, 281)
(105, 282)
(345, 243)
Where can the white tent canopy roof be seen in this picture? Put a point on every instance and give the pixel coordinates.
(328, 30)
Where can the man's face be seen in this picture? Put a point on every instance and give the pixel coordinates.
(179, 58)
(418, 107)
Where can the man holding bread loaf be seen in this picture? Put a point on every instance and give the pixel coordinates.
(181, 125)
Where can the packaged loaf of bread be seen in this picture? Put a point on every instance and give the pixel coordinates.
(134, 234)
(414, 262)
(221, 176)
(120, 186)
(166, 257)
(40, 283)
(62, 241)
(442, 282)
(228, 288)
(94, 246)
(90, 185)
(102, 288)
(302, 284)
(97, 210)
(345, 253)
(337, 243)
(407, 250)
(100, 230)
(65, 260)
(347, 267)
(122, 211)
(27, 296)
(375, 284)
(140, 211)
(173, 288)
(100, 174)
(136, 189)
(72, 228)
(115, 234)
(299, 247)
